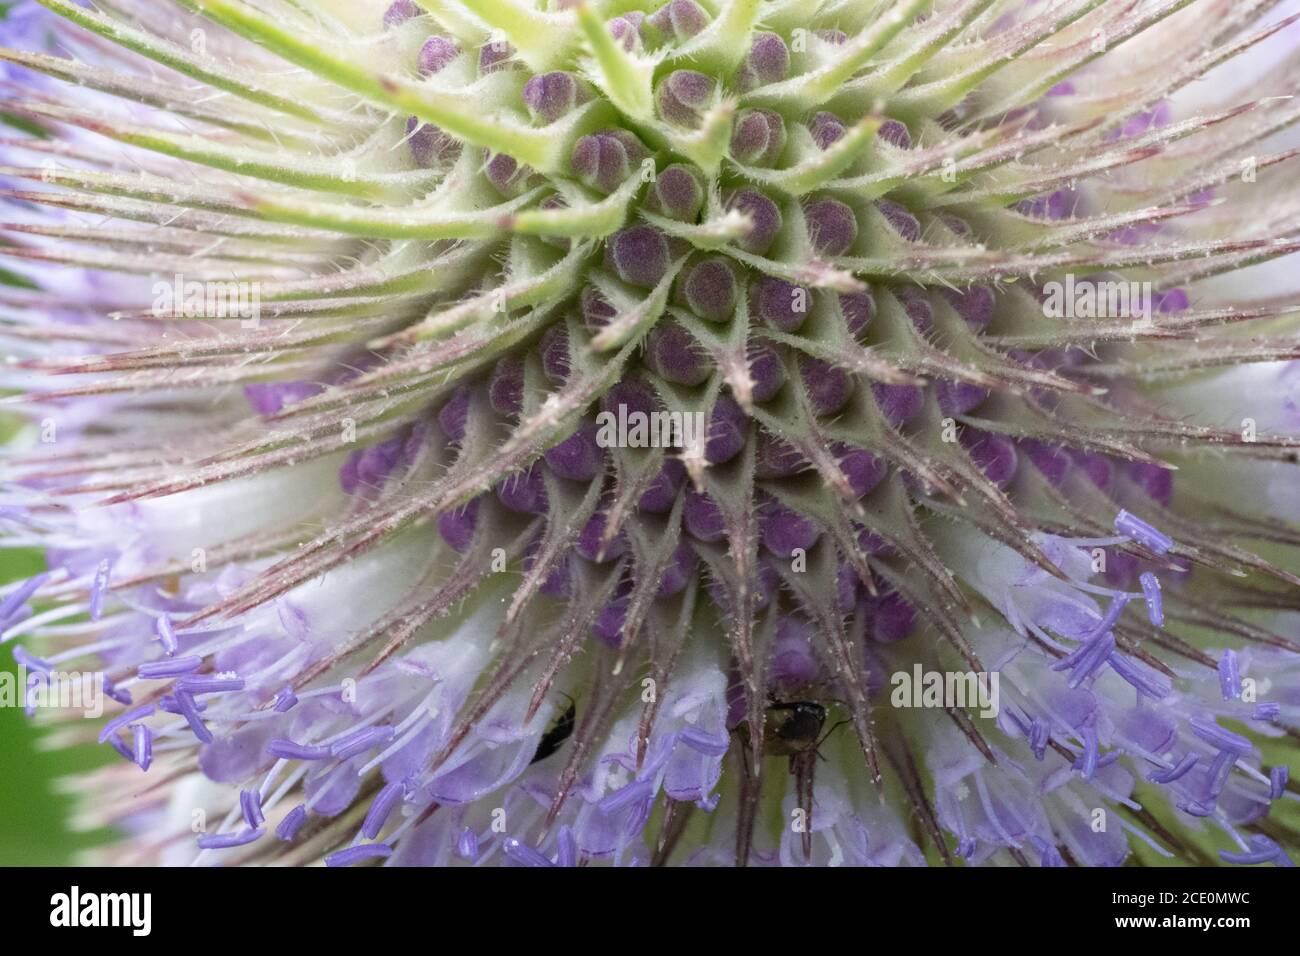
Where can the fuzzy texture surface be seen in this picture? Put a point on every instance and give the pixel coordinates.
(690, 433)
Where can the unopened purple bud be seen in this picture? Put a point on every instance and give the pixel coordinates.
(496, 55)
(578, 457)
(436, 53)
(399, 12)
(1097, 467)
(595, 308)
(766, 371)
(506, 386)
(827, 129)
(683, 95)
(702, 517)
(728, 428)
(775, 457)
(267, 398)
(454, 415)
(676, 22)
(1052, 460)
(627, 29)
(605, 160)
(662, 493)
(639, 255)
(765, 217)
(768, 61)
(892, 618)
(457, 526)
(524, 491)
(785, 531)
(1053, 206)
(900, 220)
(898, 403)
(676, 193)
(1157, 482)
(895, 133)
(554, 346)
(958, 226)
(780, 304)
(1173, 300)
(832, 226)
(710, 288)
(974, 304)
(993, 454)
(863, 470)
(917, 306)
(957, 398)
(794, 665)
(846, 587)
(758, 137)
(829, 388)
(631, 395)
(550, 96)
(589, 539)
(680, 570)
(675, 355)
(608, 626)
(506, 175)
(428, 144)
(859, 309)
(559, 577)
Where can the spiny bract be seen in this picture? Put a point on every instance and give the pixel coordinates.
(348, 336)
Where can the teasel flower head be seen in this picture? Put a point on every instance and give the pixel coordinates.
(344, 337)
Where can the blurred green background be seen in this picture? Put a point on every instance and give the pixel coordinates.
(34, 817)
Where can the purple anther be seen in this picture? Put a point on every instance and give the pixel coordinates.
(291, 824)
(285, 700)
(250, 805)
(143, 738)
(360, 741)
(171, 668)
(1179, 770)
(380, 809)
(1155, 602)
(356, 854)
(1135, 529)
(224, 841)
(163, 628)
(121, 720)
(1229, 675)
(288, 750)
